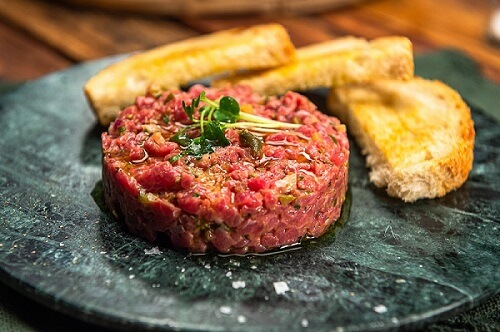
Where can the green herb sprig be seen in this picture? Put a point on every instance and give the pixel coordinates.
(214, 118)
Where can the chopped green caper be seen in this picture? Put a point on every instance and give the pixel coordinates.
(247, 139)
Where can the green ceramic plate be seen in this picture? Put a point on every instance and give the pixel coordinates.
(389, 265)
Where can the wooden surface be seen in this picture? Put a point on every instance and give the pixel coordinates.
(38, 37)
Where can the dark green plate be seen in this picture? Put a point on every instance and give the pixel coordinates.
(390, 265)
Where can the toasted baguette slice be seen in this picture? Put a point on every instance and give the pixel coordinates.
(417, 135)
(333, 63)
(175, 64)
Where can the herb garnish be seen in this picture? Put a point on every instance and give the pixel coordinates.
(207, 131)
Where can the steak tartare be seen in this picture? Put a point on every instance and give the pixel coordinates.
(178, 163)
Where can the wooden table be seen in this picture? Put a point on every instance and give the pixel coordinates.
(38, 37)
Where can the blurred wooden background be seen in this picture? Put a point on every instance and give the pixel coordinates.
(38, 37)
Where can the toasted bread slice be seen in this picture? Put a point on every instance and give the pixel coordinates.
(175, 64)
(417, 135)
(333, 63)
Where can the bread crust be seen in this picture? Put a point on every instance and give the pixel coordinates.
(176, 64)
(417, 135)
(333, 63)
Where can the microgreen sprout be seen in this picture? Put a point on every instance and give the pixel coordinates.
(207, 131)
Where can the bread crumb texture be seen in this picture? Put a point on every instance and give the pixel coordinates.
(172, 65)
(417, 135)
(331, 63)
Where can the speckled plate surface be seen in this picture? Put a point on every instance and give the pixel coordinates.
(390, 265)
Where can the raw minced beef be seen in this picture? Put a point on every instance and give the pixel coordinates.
(230, 200)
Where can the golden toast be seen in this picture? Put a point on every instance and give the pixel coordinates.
(417, 135)
(333, 63)
(176, 64)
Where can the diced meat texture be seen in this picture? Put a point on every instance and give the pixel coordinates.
(227, 201)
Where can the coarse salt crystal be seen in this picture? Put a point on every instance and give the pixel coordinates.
(241, 319)
(238, 284)
(152, 251)
(225, 310)
(280, 287)
(380, 308)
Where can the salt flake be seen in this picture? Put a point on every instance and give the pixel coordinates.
(152, 251)
(225, 310)
(238, 284)
(380, 308)
(280, 287)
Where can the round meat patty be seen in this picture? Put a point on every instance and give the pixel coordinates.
(239, 198)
